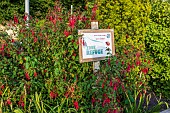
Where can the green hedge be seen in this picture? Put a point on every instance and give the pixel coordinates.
(158, 45)
(139, 22)
(128, 18)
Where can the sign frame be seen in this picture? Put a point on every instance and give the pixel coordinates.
(80, 33)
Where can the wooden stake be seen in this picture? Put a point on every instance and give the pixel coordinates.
(96, 64)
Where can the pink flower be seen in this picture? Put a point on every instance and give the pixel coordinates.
(76, 105)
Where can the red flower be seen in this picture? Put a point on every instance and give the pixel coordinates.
(84, 19)
(102, 85)
(2, 87)
(53, 95)
(2, 47)
(54, 21)
(72, 22)
(66, 33)
(109, 111)
(138, 54)
(45, 71)
(148, 61)
(123, 87)
(117, 79)
(76, 105)
(132, 66)
(111, 83)
(106, 101)
(15, 20)
(35, 39)
(108, 61)
(145, 71)
(107, 43)
(138, 62)
(1, 93)
(127, 36)
(115, 86)
(94, 8)
(66, 94)
(35, 74)
(21, 103)
(128, 68)
(33, 33)
(74, 54)
(115, 111)
(51, 18)
(93, 101)
(8, 102)
(27, 76)
(25, 17)
(13, 41)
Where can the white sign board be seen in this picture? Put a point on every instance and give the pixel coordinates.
(94, 45)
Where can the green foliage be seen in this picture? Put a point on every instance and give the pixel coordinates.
(45, 60)
(128, 18)
(77, 4)
(158, 45)
(38, 8)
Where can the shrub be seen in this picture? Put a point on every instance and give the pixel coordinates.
(128, 18)
(157, 44)
(45, 60)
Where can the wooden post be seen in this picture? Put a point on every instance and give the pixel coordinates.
(96, 64)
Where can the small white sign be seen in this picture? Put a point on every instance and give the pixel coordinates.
(95, 45)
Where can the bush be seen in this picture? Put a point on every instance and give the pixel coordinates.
(38, 8)
(45, 60)
(157, 44)
(128, 18)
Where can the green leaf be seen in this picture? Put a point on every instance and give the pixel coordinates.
(18, 110)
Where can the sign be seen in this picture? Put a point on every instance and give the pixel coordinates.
(95, 45)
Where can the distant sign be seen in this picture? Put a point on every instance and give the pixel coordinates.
(94, 44)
